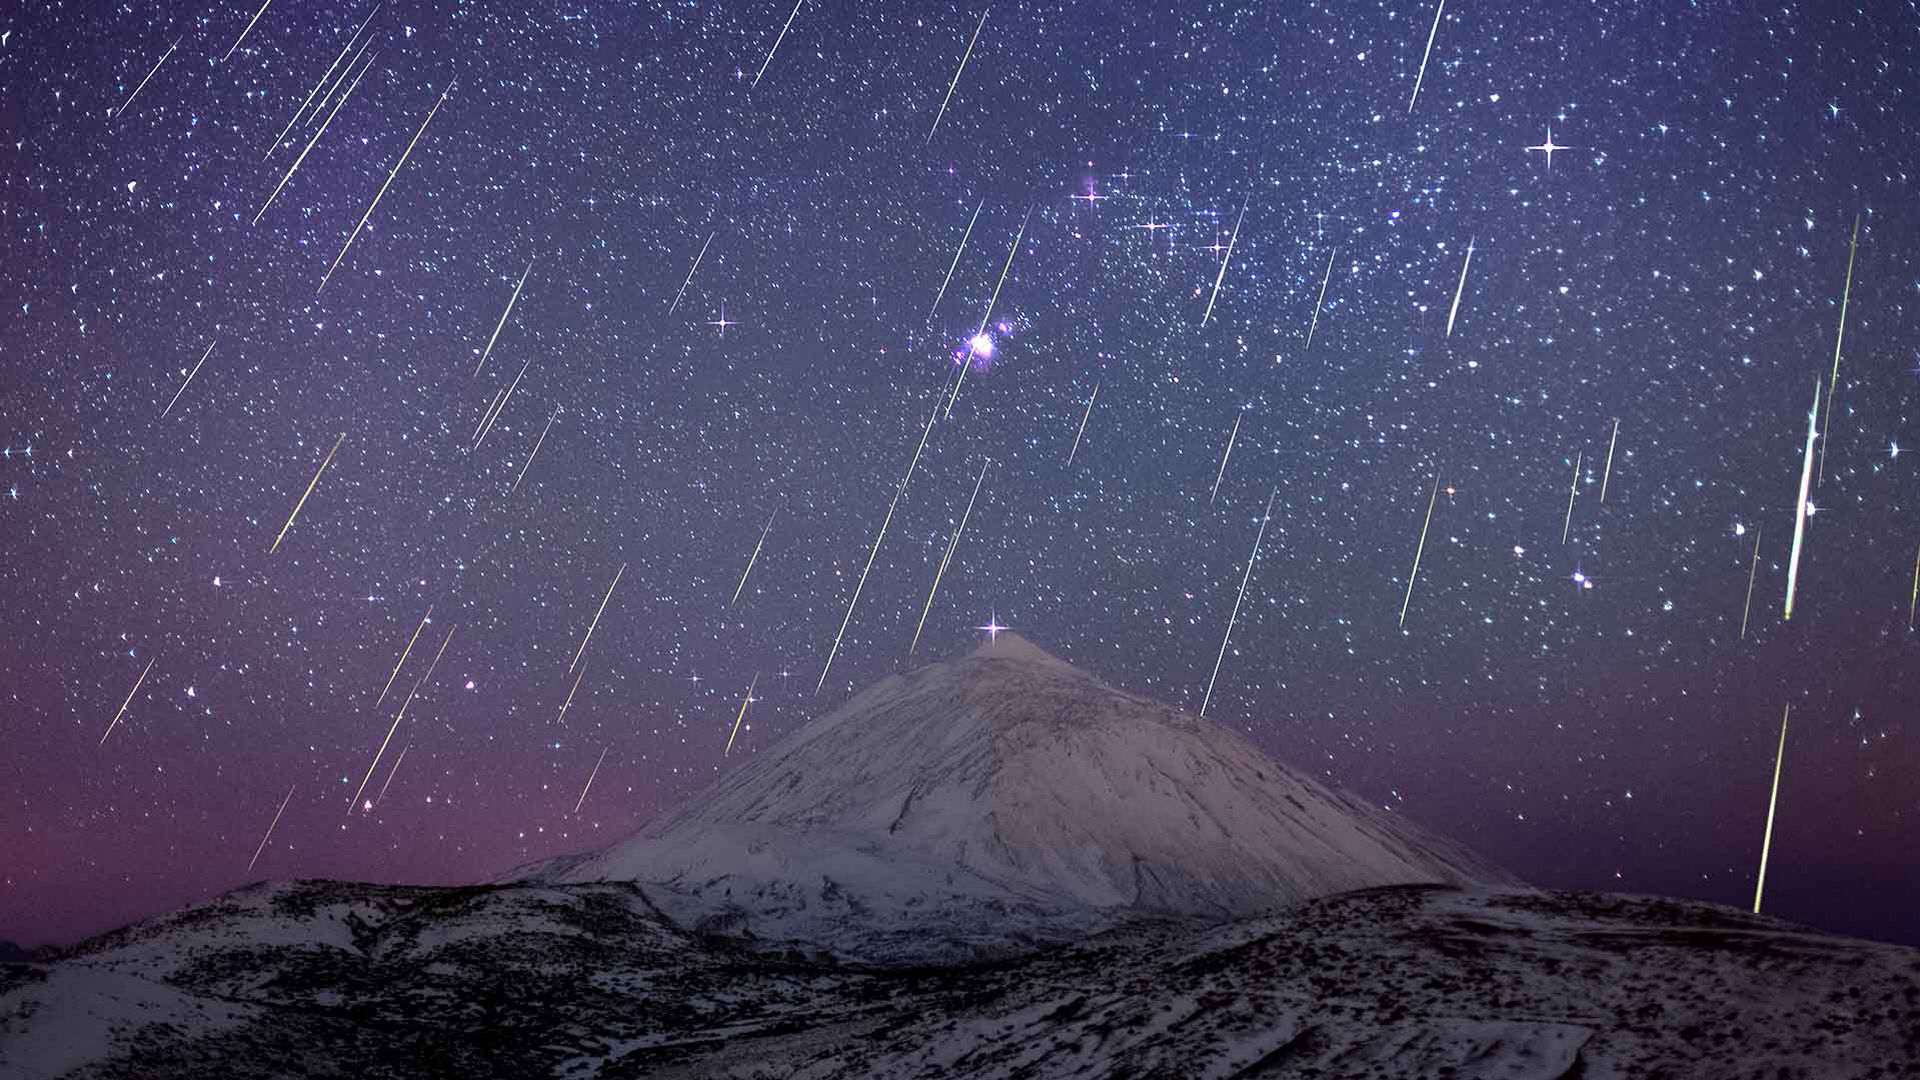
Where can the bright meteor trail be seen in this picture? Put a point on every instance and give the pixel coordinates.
(696, 269)
(754, 557)
(1431, 34)
(129, 701)
(184, 385)
(596, 618)
(309, 491)
(956, 258)
(956, 80)
(424, 619)
(276, 813)
(1460, 289)
(1244, 578)
(988, 317)
(511, 300)
(1224, 260)
(1773, 801)
(948, 557)
(1833, 387)
(397, 166)
(1800, 507)
(1414, 574)
(744, 702)
(1318, 304)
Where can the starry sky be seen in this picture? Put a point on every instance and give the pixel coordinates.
(729, 317)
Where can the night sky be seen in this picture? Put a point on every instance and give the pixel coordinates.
(1585, 712)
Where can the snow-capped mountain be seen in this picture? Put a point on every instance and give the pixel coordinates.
(1004, 797)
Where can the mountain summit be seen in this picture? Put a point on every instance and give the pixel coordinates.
(1002, 798)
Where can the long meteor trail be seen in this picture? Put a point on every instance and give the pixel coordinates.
(515, 298)
(1800, 507)
(397, 166)
(596, 618)
(1217, 477)
(276, 813)
(122, 110)
(956, 259)
(295, 167)
(1833, 388)
(744, 702)
(1083, 423)
(536, 451)
(128, 702)
(988, 317)
(184, 385)
(236, 44)
(1244, 578)
(1567, 527)
(948, 557)
(1414, 574)
(1753, 571)
(1431, 34)
(1608, 475)
(755, 557)
(1318, 304)
(695, 269)
(776, 44)
(404, 653)
(877, 540)
(1224, 260)
(1773, 801)
(1460, 289)
(956, 76)
(590, 776)
(303, 497)
(323, 81)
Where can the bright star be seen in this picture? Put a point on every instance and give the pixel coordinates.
(1548, 148)
(992, 629)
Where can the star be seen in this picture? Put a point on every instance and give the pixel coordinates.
(992, 629)
(722, 321)
(1548, 148)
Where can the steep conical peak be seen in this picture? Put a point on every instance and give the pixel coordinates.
(1007, 645)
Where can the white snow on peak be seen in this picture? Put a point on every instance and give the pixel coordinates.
(1008, 781)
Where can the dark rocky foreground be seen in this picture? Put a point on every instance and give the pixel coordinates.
(363, 981)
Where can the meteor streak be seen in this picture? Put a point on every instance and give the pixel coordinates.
(695, 270)
(1754, 570)
(283, 802)
(1224, 260)
(956, 256)
(184, 385)
(122, 110)
(1317, 304)
(1609, 473)
(309, 491)
(1414, 574)
(236, 44)
(1773, 800)
(1431, 34)
(129, 701)
(1223, 457)
(404, 653)
(877, 540)
(1833, 388)
(1236, 604)
(323, 81)
(536, 451)
(487, 424)
(984, 319)
(485, 416)
(590, 776)
(503, 319)
(1800, 509)
(744, 702)
(1460, 289)
(1567, 527)
(310, 142)
(956, 80)
(1915, 602)
(596, 618)
(948, 557)
(1083, 423)
(755, 557)
(776, 44)
(397, 166)
(395, 726)
(390, 774)
(568, 704)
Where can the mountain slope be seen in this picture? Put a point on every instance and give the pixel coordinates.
(1007, 797)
